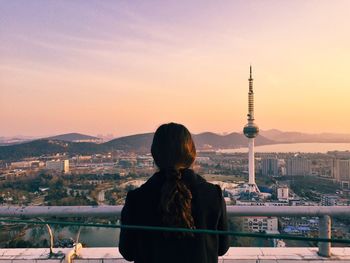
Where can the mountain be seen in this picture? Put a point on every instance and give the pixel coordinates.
(33, 148)
(74, 137)
(140, 143)
(46, 147)
(299, 137)
(14, 140)
(76, 143)
(232, 140)
(137, 142)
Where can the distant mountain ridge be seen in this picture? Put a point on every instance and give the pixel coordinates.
(68, 137)
(75, 143)
(137, 142)
(74, 137)
(140, 143)
(299, 137)
(232, 140)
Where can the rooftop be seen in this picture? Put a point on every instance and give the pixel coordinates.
(112, 255)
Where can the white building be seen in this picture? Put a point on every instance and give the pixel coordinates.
(261, 224)
(283, 193)
(27, 164)
(21, 164)
(60, 166)
(298, 166)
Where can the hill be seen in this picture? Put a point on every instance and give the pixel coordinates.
(232, 140)
(140, 143)
(137, 143)
(74, 137)
(299, 137)
(33, 148)
(76, 143)
(47, 147)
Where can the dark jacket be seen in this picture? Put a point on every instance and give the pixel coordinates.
(142, 208)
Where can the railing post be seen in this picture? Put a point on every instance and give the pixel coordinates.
(50, 235)
(324, 248)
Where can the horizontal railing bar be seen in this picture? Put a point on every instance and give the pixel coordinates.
(60, 211)
(183, 230)
(288, 210)
(114, 211)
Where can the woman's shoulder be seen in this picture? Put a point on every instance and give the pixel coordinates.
(195, 181)
(200, 183)
(150, 186)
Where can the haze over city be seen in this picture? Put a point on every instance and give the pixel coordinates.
(126, 67)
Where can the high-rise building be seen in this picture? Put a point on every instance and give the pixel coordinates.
(341, 170)
(269, 167)
(251, 130)
(298, 166)
(59, 166)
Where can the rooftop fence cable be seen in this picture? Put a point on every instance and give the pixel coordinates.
(184, 230)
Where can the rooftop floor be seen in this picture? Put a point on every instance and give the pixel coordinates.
(234, 255)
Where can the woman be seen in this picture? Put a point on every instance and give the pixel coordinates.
(174, 197)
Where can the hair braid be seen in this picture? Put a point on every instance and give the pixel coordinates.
(176, 201)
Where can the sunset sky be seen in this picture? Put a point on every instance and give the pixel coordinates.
(124, 67)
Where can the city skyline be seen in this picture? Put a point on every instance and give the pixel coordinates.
(125, 68)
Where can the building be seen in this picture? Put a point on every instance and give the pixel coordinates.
(26, 164)
(300, 226)
(283, 193)
(13, 174)
(283, 171)
(298, 166)
(21, 164)
(59, 166)
(341, 169)
(269, 167)
(261, 224)
(329, 200)
(144, 161)
(260, 203)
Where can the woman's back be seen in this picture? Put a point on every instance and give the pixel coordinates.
(174, 197)
(142, 208)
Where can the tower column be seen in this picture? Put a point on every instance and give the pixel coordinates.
(251, 159)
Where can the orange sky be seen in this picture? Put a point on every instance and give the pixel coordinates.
(124, 68)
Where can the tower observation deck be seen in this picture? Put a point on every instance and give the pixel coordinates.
(251, 130)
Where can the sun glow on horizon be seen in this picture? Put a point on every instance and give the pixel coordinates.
(126, 67)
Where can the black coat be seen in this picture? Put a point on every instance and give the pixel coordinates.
(142, 208)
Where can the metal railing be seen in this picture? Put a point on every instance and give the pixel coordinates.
(323, 212)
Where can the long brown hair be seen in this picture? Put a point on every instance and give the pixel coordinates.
(173, 150)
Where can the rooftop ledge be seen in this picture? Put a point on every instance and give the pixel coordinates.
(112, 255)
(235, 254)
